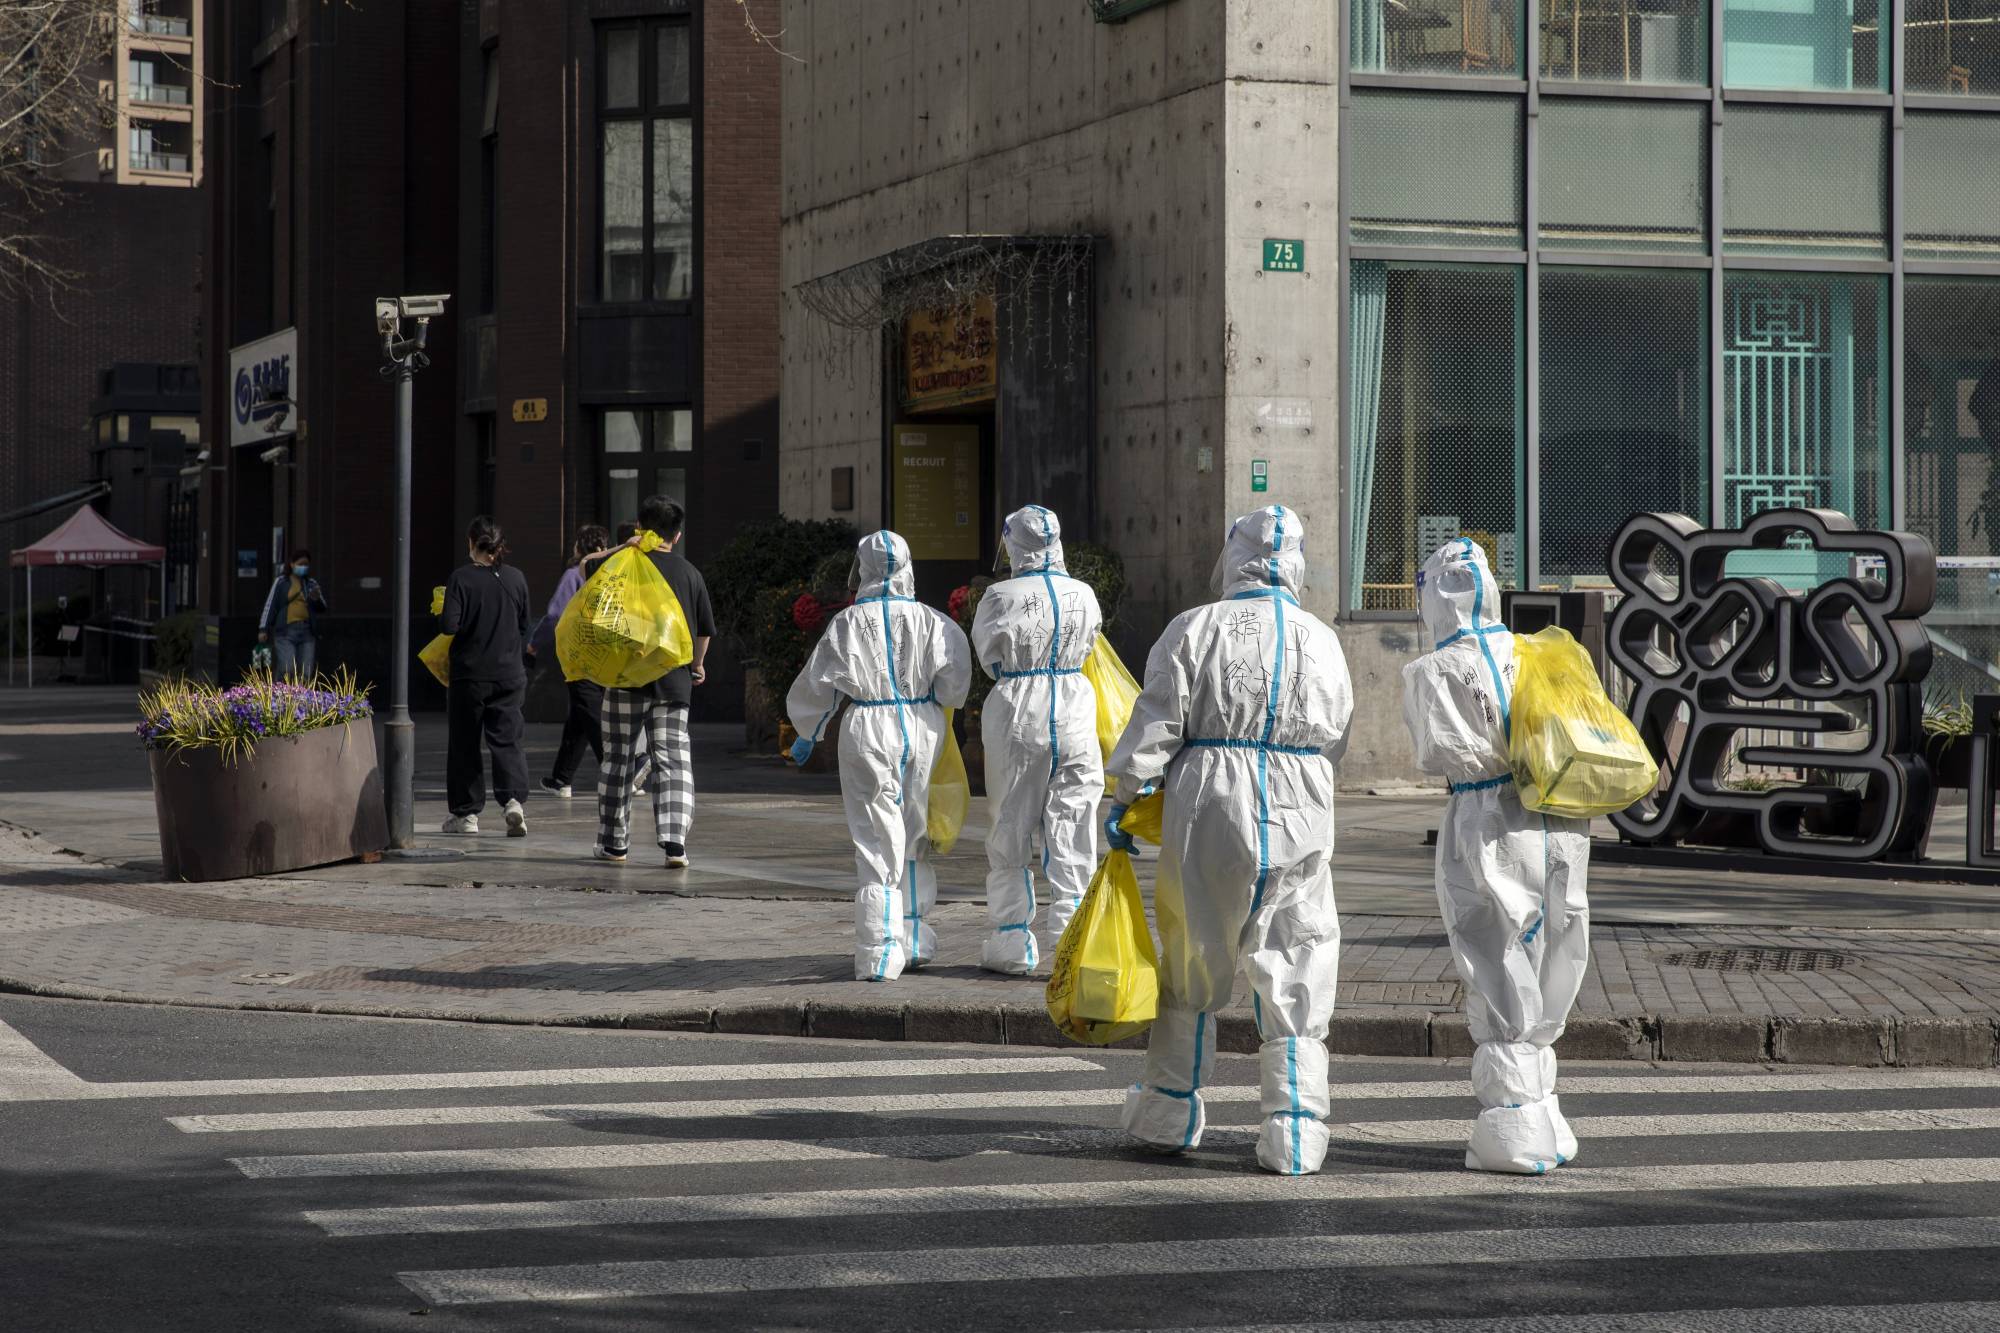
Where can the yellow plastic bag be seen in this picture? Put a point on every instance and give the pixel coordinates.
(437, 656)
(1574, 753)
(951, 792)
(624, 628)
(437, 600)
(1116, 693)
(1144, 817)
(1106, 981)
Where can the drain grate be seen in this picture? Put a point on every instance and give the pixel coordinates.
(1759, 959)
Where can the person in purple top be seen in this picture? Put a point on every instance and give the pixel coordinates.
(581, 727)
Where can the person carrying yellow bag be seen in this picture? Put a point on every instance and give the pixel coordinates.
(436, 655)
(640, 626)
(1044, 769)
(1105, 985)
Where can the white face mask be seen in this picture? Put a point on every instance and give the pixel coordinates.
(300, 570)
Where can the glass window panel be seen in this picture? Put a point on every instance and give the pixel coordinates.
(671, 68)
(621, 499)
(1949, 46)
(621, 68)
(1436, 432)
(1823, 44)
(1804, 391)
(1804, 181)
(622, 433)
(1951, 184)
(1624, 409)
(1621, 42)
(1437, 36)
(1623, 175)
(673, 429)
(673, 209)
(1951, 436)
(624, 238)
(489, 114)
(1435, 169)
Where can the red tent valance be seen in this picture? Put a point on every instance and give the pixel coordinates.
(86, 539)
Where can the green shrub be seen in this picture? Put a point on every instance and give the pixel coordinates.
(174, 639)
(763, 557)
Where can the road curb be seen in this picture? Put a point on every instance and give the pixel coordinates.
(1965, 1043)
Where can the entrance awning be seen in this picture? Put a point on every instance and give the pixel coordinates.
(86, 538)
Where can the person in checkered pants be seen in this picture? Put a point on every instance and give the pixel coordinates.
(650, 722)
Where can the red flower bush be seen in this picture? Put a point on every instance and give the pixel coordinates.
(808, 614)
(955, 605)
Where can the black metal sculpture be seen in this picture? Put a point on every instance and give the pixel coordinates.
(1712, 653)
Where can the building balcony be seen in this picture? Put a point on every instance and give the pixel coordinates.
(160, 25)
(158, 94)
(176, 163)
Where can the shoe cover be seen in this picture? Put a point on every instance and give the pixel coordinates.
(1011, 952)
(1565, 1136)
(1293, 1138)
(1165, 1111)
(1518, 1139)
(878, 952)
(1510, 1073)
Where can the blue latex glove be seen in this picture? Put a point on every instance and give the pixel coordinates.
(1118, 839)
(802, 749)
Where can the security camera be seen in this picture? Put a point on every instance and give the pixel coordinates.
(390, 311)
(277, 453)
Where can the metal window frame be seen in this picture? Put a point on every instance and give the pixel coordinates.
(645, 113)
(1530, 90)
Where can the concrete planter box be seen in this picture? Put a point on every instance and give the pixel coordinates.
(292, 802)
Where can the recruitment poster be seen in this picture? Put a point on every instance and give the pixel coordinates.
(936, 490)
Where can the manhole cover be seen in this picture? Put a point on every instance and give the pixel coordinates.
(1759, 960)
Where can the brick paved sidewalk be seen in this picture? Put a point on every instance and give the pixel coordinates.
(782, 964)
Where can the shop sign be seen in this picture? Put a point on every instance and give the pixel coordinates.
(1283, 256)
(936, 490)
(951, 356)
(261, 409)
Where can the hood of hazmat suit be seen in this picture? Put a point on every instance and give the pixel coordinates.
(897, 664)
(1510, 883)
(1243, 715)
(1044, 773)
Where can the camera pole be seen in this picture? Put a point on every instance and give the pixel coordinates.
(404, 357)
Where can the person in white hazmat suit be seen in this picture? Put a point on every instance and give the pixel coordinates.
(899, 664)
(1244, 714)
(1044, 774)
(1510, 883)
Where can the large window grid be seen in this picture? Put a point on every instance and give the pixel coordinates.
(645, 154)
(1821, 289)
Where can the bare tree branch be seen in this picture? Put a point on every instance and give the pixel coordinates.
(52, 55)
(760, 36)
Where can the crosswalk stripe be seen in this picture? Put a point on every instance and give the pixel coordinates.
(699, 1152)
(1076, 1138)
(1931, 1317)
(1202, 1189)
(538, 1078)
(1684, 1126)
(1523, 1245)
(917, 1103)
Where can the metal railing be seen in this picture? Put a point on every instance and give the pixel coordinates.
(159, 162)
(161, 25)
(171, 94)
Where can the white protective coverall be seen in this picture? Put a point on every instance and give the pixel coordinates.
(1044, 773)
(1510, 884)
(901, 664)
(1244, 712)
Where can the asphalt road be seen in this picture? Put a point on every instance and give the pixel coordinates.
(174, 1169)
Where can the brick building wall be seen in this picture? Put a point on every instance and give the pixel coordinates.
(141, 301)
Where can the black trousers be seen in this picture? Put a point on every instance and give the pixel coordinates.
(477, 709)
(581, 728)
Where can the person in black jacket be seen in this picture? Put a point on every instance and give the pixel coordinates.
(486, 613)
(653, 719)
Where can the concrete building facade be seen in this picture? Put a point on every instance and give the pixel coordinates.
(1429, 270)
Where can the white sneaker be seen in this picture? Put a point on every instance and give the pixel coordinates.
(461, 824)
(560, 790)
(517, 820)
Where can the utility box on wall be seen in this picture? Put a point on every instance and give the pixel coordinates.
(1581, 613)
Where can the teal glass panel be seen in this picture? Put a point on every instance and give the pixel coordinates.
(1470, 37)
(1951, 186)
(1805, 180)
(1622, 174)
(1435, 169)
(1830, 45)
